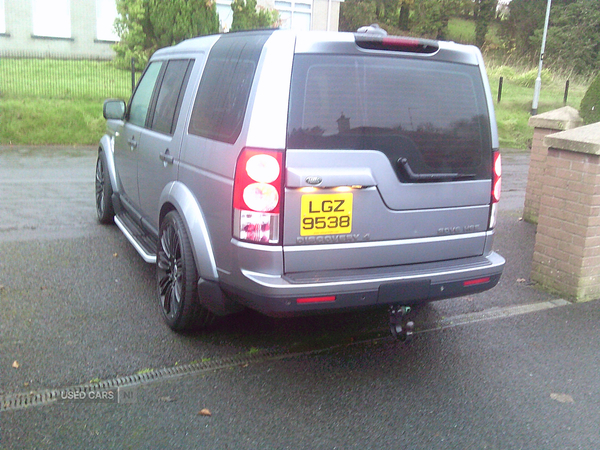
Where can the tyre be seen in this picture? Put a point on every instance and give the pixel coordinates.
(104, 206)
(177, 278)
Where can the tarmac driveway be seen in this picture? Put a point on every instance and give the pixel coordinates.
(511, 368)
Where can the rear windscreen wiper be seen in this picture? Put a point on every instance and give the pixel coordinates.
(412, 176)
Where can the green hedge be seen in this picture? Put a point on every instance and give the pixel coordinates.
(590, 103)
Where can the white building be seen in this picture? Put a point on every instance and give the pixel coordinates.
(322, 15)
(84, 28)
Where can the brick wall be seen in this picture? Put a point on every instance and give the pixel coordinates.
(537, 164)
(567, 248)
(544, 124)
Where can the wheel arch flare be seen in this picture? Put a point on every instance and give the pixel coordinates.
(176, 196)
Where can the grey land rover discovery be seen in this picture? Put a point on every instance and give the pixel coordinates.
(306, 172)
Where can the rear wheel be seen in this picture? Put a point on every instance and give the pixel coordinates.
(104, 206)
(178, 277)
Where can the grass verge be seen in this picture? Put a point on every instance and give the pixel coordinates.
(56, 101)
(514, 109)
(50, 121)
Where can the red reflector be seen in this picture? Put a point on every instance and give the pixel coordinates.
(477, 281)
(306, 300)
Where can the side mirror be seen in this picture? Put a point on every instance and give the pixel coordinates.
(114, 109)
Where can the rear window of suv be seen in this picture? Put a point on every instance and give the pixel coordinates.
(431, 114)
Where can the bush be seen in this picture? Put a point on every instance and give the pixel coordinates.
(590, 103)
(144, 26)
(247, 16)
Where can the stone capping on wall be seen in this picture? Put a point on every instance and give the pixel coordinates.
(561, 119)
(566, 255)
(582, 140)
(544, 124)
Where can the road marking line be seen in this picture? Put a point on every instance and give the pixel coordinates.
(494, 313)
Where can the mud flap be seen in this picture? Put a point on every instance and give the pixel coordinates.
(214, 299)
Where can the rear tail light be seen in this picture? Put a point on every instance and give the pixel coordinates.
(257, 195)
(497, 177)
(496, 188)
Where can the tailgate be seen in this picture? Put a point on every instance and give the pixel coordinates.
(388, 163)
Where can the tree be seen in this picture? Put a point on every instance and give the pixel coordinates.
(246, 16)
(356, 13)
(573, 41)
(573, 37)
(423, 18)
(484, 12)
(404, 14)
(525, 22)
(144, 26)
(525, 16)
(430, 17)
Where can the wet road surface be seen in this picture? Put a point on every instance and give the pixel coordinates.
(78, 305)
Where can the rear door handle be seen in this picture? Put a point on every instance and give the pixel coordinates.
(166, 157)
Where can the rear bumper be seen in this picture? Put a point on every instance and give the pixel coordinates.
(312, 293)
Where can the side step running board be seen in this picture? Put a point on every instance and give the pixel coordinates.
(140, 241)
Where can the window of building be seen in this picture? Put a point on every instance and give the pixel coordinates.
(295, 14)
(51, 19)
(106, 13)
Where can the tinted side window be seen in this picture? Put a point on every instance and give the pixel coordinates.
(223, 93)
(170, 96)
(138, 108)
(433, 114)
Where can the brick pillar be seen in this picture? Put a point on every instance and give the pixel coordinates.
(566, 255)
(544, 124)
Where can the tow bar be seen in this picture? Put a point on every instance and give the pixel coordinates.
(400, 326)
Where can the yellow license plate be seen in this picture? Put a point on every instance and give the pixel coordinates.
(326, 214)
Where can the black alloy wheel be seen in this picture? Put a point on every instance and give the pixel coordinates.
(104, 206)
(178, 277)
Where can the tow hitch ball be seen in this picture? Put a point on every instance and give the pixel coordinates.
(400, 326)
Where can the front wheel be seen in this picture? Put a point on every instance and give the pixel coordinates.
(178, 277)
(104, 206)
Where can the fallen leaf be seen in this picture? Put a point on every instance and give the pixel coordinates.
(15, 364)
(26, 384)
(562, 398)
(1, 287)
(167, 399)
(521, 280)
(115, 255)
(204, 412)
